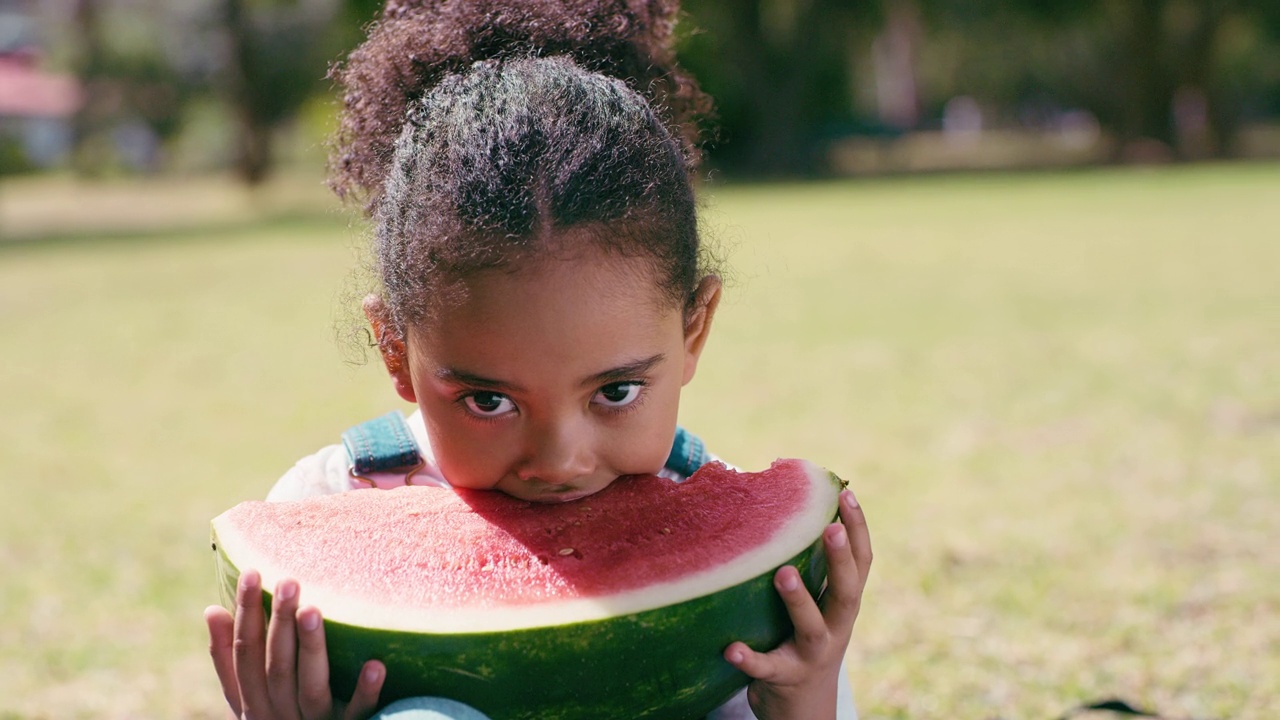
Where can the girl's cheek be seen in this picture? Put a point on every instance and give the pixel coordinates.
(471, 477)
(636, 457)
(469, 464)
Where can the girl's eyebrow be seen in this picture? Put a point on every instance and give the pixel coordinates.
(461, 377)
(630, 371)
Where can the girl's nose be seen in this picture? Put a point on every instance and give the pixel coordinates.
(558, 454)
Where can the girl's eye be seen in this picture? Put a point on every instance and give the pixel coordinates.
(616, 395)
(489, 404)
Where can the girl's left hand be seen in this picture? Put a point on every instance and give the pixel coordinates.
(279, 670)
(799, 678)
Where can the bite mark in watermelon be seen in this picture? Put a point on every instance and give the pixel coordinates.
(616, 605)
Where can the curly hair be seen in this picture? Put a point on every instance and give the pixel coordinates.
(416, 43)
(474, 130)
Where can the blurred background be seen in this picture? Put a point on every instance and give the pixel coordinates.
(804, 87)
(1011, 266)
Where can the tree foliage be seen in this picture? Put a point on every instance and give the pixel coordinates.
(788, 76)
(278, 54)
(782, 75)
(1182, 74)
(134, 83)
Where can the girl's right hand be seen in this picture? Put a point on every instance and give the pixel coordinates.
(280, 670)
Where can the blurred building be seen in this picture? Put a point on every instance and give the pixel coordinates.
(37, 108)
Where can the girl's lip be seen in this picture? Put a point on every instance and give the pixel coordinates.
(569, 497)
(562, 496)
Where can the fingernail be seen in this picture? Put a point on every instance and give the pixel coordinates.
(836, 535)
(287, 589)
(848, 498)
(310, 621)
(249, 580)
(789, 581)
(372, 674)
(735, 656)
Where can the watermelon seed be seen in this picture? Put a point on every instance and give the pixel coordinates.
(666, 531)
(566, 551)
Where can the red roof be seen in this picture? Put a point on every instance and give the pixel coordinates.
(28, 92)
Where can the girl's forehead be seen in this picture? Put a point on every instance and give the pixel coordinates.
(585, 291)
(551, 324)
(566, 277)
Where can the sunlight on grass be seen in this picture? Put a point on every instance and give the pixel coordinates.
(1057, 397)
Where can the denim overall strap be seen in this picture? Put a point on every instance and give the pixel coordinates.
(381, 444)
(688, 453)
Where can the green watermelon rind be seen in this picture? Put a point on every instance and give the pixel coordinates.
(668, 659)
(662, 663)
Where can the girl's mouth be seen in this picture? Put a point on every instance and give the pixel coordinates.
(562, 494)
(564, 497)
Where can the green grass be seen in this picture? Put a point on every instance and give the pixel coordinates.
(1058, 397)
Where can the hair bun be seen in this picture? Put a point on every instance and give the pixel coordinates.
(415, 43)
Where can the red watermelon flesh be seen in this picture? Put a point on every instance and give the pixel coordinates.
(616, 605)
(461, 552)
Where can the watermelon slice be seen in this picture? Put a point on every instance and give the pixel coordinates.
(618, 605)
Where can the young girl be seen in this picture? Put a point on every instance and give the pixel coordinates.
(528, 166)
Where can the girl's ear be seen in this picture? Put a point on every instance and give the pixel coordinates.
(395, 355)
(697, 325)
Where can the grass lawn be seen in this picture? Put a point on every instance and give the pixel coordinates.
(1058, 397)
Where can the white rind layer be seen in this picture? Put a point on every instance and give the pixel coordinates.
(793, 537)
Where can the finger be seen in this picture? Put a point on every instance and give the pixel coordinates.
(811, 633)
(249, 648)
(365, 699)
(855, 523)
(282, 650)
(221, 638)
(770, 667)
(314, 698)
(843, 596)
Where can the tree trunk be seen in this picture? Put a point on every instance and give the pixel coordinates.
(1147, 128)
(896, 50)
(89, 152)
(253, 136)
(1207, 127)
(783, 66)
(771, 146)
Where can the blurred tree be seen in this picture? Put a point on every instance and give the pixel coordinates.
(90, 67)
(278, 50)
(356, 16)
(895, 54)
(1156, 73)
(1171, 47)
(133, 96)
(788, 76)
(781, 72)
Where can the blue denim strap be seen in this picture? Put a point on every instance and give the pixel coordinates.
(688, 453)
(385, 443)
(381, 444)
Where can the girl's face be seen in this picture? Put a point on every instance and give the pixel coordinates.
(550, 381)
